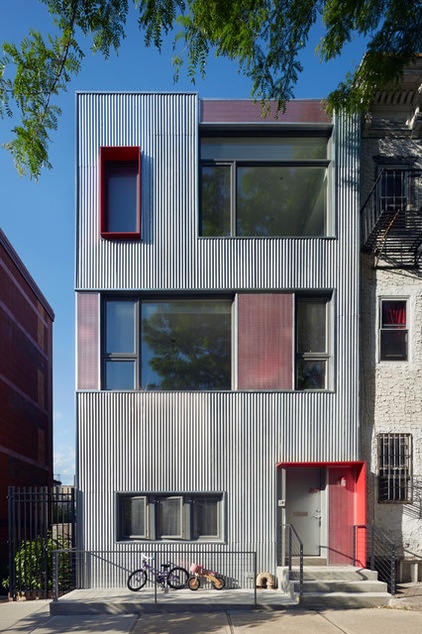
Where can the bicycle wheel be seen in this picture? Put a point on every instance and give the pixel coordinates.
(177, 578)
(194, 583)
(137, 580)
(219, 583)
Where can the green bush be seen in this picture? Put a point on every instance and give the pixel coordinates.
(34, 565)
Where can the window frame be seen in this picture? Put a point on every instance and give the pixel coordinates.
(234, 163)
(187, 502)
(394, 328)
(136, 356)
(396, 477)
(119, 155)
(325, 356)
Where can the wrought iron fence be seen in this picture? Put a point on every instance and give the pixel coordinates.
(381, 553)
(41, 519)
(80, 569)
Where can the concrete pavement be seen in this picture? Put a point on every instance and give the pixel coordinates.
(404, 617)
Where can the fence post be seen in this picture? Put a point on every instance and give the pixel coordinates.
(12, 543)
(393, 570)
(55, 575)
(255, 599)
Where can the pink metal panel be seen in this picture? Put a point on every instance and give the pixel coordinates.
(88, 341)
(265, 341)
(249, 111)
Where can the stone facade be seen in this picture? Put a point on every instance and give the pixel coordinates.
(391, 391)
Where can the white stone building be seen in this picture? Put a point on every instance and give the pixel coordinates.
(391, 313)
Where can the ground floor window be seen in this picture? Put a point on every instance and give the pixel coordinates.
(187, 516)
(395, 467)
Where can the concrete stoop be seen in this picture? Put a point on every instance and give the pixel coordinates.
(335, 587)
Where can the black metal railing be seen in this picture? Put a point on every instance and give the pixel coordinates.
(83, 570)
(381, 553)
(292, 553)
(41, 519)
(391, 217)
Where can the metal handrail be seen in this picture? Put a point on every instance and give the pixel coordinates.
(381, 553)
(292, 533)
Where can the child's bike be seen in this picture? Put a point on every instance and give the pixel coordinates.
(175, 577)
(198, 571)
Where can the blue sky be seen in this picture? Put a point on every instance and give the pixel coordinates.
(38, 218)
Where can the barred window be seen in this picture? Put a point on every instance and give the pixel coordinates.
(395, 468)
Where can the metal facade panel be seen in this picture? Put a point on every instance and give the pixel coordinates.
(170, 255)
(229, 442)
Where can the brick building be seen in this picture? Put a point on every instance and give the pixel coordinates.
(26, 417)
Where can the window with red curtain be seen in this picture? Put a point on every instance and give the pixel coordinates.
(393, 330)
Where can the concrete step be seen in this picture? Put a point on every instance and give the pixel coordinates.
(341, 586)
(345, 600)
(332, 573)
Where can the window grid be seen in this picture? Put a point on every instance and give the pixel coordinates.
(231, 206)
(187, 517)
(313, 354)
(395, 468)
(393, 330)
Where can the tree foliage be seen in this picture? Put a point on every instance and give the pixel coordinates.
(265, 37)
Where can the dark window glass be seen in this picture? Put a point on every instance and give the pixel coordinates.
(393, 331)
(264, 187)
(173, 345)
(205, 519)
(393, 190)
(273, 201)
(189, 516)
(120, 326)
(312, 353)
(169, 517)
(186, 345)
(122, 197)
(133, 517)
(216, 200)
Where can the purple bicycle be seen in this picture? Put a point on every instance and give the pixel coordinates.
(175, 577)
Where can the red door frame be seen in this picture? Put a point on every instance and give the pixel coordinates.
(359, 489)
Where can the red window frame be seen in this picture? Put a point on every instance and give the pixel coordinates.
(119, 154)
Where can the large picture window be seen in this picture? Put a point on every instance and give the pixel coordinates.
(312, 343)
(120, 192)
(187, 516)
(174, 344)
(393, 330)
(255, 187)
(395, 467)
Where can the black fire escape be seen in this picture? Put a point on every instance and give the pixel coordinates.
(391, 220)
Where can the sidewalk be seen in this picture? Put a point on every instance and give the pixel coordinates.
(404, 616)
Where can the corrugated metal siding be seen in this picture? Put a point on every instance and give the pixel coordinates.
(207, 441)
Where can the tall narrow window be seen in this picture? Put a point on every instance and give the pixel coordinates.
(120, 192)
(393, 330)
(312, 343)
(395, 467)
(120, 345)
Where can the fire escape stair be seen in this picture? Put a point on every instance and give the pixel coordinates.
(396, 238)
